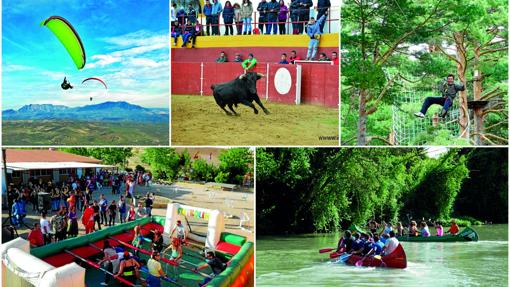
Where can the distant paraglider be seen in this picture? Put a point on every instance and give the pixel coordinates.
(95, 79)
(66, 84)
(68, 36)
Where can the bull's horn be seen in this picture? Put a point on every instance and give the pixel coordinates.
(260, 74)
(242, 76)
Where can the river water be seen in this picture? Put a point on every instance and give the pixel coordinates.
(295, 261)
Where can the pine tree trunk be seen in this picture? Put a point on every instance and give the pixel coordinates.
(461, 72)
(362, 120)
(477, 94)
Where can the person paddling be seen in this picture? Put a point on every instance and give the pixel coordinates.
(413, 230)
(387, 228)
(345, 243)
(424, 229)
(454, 228)
(391, 244)
(439, 228)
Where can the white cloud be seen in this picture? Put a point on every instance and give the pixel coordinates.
(16, 68)
(54, 75)
(102, 60)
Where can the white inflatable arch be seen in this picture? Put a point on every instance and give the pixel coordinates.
(215, 219)
(21, 269)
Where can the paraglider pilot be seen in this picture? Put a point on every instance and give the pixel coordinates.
(66, 85)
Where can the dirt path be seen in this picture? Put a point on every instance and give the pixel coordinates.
(198, 120)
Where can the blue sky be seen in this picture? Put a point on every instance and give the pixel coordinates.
(126, 45)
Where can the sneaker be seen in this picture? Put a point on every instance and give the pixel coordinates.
(104, 284)
(419, 114)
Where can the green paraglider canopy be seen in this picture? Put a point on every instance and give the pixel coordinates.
(68, 37)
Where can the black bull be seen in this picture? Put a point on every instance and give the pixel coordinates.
(241, 90)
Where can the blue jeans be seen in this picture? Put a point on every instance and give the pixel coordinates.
(55, 204)
(312, 48)
(445, 102)
(272, 23)
(153, 281)
(246, 25)
(185, 38)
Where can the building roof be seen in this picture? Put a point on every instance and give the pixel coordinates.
(45, 155)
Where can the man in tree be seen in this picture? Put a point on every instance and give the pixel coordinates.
(448, 90)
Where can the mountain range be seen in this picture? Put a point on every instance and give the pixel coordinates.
(107, 111)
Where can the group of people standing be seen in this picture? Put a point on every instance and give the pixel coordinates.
(272, 16)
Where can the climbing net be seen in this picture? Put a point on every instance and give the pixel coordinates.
(410, 130)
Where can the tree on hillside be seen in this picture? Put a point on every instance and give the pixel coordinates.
(203, 171)
(113, 156)
(164, 162)
(184, 163)
(234, 164)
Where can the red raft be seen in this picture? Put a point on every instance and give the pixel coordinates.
(397, 259)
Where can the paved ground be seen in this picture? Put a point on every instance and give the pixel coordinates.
(235, 205)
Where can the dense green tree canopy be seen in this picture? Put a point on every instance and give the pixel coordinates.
(393, 47)
(302, 190)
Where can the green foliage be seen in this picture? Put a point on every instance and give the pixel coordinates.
(164, 162)
(202, 171)
(413, 39)
(234, 164)
(112, 156)
(184, 163)
(302, 190)
(435, 191)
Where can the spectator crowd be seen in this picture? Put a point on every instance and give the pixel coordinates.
(270, 17)
(78, 200)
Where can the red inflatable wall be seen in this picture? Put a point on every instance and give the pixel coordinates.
(319, 82)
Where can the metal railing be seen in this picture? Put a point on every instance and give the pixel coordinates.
(291, 27)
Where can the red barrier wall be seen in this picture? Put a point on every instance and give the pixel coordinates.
(281, 97)
(319, 82)
(262, 54)
(320, 85)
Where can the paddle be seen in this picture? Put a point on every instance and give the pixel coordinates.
(172, 262)
(360, 262)
(100, 268)
(324, 250)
